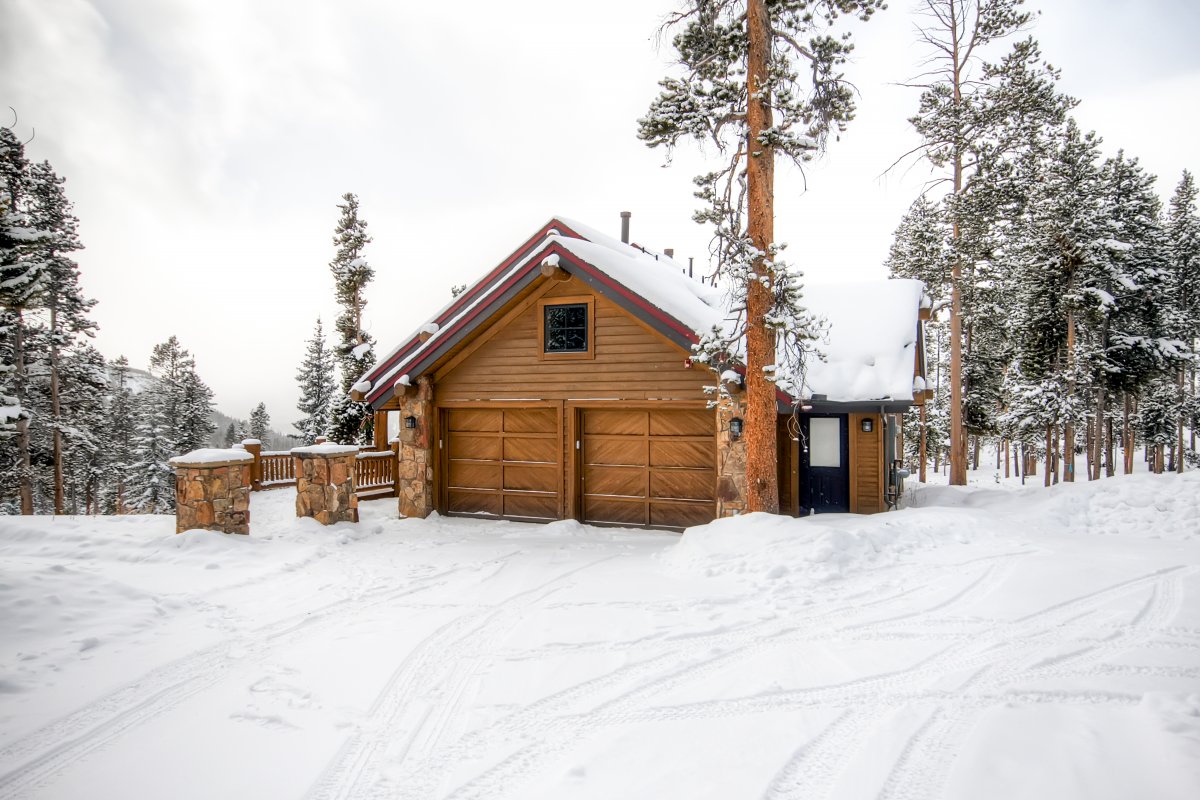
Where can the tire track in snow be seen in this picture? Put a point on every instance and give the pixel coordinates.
(45, 752)
(355, 771)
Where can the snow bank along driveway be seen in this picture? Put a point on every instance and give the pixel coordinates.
(1037, 644)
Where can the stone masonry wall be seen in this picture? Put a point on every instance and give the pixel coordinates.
(414, 479)
(212, 491)
(731, 458)
(325, 483)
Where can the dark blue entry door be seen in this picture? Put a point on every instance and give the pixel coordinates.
(824, 463)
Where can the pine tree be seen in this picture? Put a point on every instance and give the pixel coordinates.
(761, 80)
(260, 425)
(351, 421)
(151, 481)
(230, 435)
(22, 277)
(972, 115)
(120, 434)
(62, 296)
(1183, 233)
(317, 388)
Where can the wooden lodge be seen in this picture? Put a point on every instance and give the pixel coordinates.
(561, 386)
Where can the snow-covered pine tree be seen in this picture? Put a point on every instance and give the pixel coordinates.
(760, 80)
(260, 425)
(351, 421)
(972, 114)
(150, 482)
(22, 273)
(62, 298)
(1183, 233)
(120, 434)
(195, 426)
(1126, 300)
(230, 435)
(84, 415)
(317, 388)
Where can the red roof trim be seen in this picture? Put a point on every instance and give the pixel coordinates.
(482, 288)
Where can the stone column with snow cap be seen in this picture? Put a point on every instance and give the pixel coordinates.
(325, 482)
(212, 490)
(731, 447)
(414, 465)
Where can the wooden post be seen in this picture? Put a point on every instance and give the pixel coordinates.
(254, 448)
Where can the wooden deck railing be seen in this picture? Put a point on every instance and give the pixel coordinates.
(375, 474)
(278, 469)
(374, 471)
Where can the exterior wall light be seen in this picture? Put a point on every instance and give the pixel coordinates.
(735, 428)
(410, 422)
(868, 425)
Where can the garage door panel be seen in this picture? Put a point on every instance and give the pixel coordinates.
(474, 475)
(614, 421)
(682, 484)
(626, 481)
(474, 446)
(681, 454)
(544, 450)
(531, 420)
(459, 501)
(630, 452)
(621, 512)
(681, 423)
(473, 419)
(531, 478)
(531, 506)
(680, 515)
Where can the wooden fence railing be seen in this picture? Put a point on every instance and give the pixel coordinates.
(375, 474)
(278, 469)
(374, 471)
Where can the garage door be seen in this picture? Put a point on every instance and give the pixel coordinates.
(648, 467)
(502, 462)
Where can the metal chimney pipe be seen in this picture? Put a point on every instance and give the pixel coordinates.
(669, 252)
(625, 215)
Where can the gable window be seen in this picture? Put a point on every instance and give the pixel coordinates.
(566, 327)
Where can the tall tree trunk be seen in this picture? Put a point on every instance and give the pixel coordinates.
(921, 458)
(25, 479)
(958, 440)
(975, 454)
(761, 472)
(1098, 433)
(1068, 424)
(1110, 469)
(1007, 472)
(1179, 443)
(1048, 478)
(1127, 434)
(56, 410)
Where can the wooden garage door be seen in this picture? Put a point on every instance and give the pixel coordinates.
(648, 467)
(502, 462)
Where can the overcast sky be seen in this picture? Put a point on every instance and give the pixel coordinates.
(206, 143)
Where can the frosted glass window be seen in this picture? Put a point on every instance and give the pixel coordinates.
(393, 425)
(824, 442)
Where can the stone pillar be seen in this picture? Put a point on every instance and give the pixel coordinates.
(414, 468)
(731, 458)
(212, 490)
(325, 483)
(254, 448)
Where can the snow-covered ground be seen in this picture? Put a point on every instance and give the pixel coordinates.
(981, 644)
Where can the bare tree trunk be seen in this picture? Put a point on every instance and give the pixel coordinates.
(1023, 469)
(921, 446)
(1110, 469)
(958, 440)
(1127, 434)
(56, 411)
(1068, 424)
(1158, 459)
(761, 475)
(1007, 472)
(975, 454)
(998, 448)
(1098, 433)
(1179, 443)
(1048, 478)
(25, 479)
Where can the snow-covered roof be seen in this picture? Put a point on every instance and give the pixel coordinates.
(870, 346)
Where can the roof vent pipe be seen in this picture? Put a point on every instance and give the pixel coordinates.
(669, 252)
(625, 215)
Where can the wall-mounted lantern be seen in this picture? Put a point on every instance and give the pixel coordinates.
(735, 428)
(868, 425)
(410, 422)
